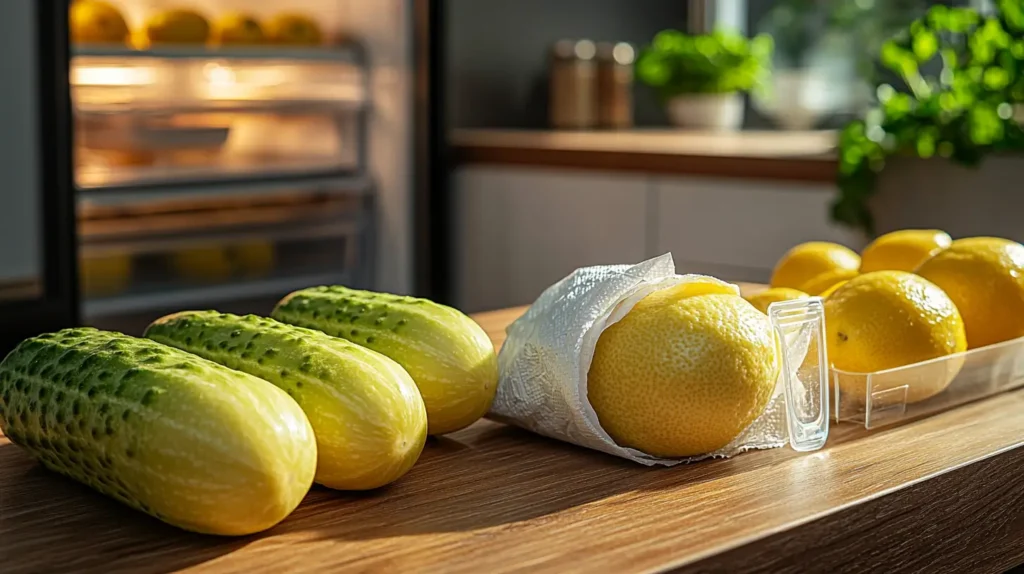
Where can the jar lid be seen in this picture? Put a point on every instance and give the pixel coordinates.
(585, 50)
(622, 53)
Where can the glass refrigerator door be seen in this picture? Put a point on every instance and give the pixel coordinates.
(221, 153)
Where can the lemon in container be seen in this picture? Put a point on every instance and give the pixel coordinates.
(881, 321)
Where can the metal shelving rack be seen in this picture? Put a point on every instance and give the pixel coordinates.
(127, 190)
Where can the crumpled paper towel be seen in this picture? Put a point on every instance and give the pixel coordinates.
(546, 357)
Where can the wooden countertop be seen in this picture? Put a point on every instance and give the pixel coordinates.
(943, 493)
(802, 156)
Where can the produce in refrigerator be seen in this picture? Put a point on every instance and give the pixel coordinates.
(97, 22)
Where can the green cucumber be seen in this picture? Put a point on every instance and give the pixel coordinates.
(195, 444)
(448, 354)
(368, 418)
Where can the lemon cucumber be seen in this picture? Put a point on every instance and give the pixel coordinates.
(448, 354)
(195, 444)
(367, 415)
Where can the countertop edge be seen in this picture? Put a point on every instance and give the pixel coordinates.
(647, 152)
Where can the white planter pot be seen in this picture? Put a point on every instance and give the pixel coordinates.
(717, 112)
(799, 98)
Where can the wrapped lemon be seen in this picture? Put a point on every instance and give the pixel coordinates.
(685, 371)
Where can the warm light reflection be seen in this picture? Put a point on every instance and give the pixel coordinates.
(218, 75)
(112, 76)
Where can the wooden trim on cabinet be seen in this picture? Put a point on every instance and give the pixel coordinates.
(744, 155)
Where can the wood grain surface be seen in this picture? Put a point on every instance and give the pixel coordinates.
(793, 156)
(941, 494)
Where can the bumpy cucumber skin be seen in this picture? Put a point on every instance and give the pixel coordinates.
(448, 354)
(369, 420)
(190, 442)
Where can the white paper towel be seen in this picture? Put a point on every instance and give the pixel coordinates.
(546, 357)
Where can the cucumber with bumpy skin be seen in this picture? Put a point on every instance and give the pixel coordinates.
(195, 444)
(368, 417)
(448, 354)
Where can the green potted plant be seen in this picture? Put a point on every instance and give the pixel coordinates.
(962, 76)
(701, 78)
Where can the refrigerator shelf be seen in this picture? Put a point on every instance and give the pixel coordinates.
(129, 194)
(290, 106)
(208, 296)
(349, 53)
(229, 174)
(97, 245)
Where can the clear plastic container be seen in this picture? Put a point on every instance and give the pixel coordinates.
(886, 397)
(800, 325)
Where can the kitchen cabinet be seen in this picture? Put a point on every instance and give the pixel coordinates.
(517, 231)
(740, 228)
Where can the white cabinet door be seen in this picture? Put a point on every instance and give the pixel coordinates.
(737, 229)
(518, 230)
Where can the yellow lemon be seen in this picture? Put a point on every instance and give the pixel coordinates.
(903, 250)
(105, 275)
(203, 264)
(177, 27)
(888, 319)
(297, 29)
(827, 280)
(685, 371)
(984, 276)
(238, 29)
(809, 260)
(97, 22)
(763, 299)
(254, 259)
(828, 292)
